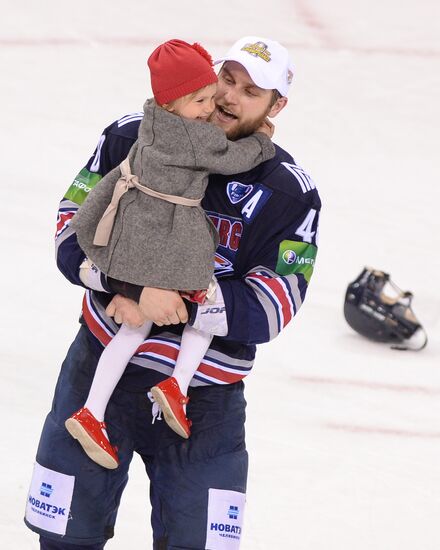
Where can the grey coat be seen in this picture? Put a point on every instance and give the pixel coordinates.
(153, 242)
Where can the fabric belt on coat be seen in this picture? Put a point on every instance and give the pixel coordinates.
(127, 181)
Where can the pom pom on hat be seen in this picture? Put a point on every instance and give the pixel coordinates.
(201, 50)
(178, 69)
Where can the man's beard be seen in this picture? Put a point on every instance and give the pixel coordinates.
(245, 129)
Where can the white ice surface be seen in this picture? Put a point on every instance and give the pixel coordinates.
(343, 434)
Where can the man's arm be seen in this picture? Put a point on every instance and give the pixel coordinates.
(112, 148)
(255, 308)
(280, 254)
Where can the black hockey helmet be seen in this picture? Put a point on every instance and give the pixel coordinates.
(376, 308)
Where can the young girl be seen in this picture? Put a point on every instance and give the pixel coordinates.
(143, 224)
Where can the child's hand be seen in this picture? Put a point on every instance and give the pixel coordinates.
(125, 311)
(266, 127)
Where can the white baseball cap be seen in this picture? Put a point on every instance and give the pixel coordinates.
(266, 61)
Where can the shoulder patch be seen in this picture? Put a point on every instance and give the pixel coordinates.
(238, 191)
(84, 182)
(255, 202)
(296, 257)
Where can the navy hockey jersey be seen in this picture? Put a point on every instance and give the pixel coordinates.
(267, 220)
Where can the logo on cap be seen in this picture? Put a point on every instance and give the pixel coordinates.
(259, 49)
(289, 76)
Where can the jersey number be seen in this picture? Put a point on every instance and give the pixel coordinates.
(305, 229)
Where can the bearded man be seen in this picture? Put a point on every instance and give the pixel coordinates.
(267, 220)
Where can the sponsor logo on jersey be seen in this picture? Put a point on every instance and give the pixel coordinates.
(46, 490)
(222, 265)
(226, 529)
(224, 526)
(45, 509)
(49, 500)
(258, 49)
(84, 182)
(237, 191)
(81, 186)
(229, 230)
(213, 310)
(233, 512)
(296, 257)
(289, 257)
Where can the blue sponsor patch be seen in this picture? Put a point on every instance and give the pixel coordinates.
(238, 191)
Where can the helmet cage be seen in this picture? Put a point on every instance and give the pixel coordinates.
(379, 310)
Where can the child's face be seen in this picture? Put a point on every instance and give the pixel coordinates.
(198, 106)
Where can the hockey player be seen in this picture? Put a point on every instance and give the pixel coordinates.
(151, 204)
(267, 219)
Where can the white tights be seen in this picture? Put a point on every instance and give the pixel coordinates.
(119, 351)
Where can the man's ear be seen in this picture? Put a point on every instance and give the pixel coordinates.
(278, 106)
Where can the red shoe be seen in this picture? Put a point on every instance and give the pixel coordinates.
(171, 401)
(84, 427)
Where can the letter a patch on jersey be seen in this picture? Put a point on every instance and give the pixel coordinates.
(255, 202)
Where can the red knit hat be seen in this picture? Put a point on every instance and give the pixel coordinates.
(178, 69)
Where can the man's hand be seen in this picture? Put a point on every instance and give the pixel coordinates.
(162, 306)
(126, 311)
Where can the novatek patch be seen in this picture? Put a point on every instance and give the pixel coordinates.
(225, 519)
(49, 500)
(296, 257)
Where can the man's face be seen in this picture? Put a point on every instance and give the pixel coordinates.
(240, 105)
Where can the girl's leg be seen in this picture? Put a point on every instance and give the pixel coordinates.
(111, 366)
(86, 425)
(194, 345)
(171, 393)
